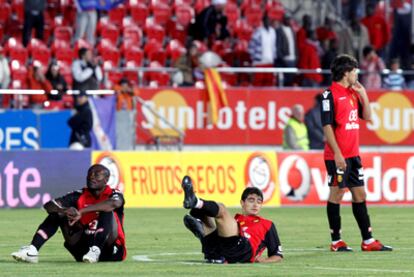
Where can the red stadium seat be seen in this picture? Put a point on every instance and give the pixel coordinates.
(243, 30)
(110, 32)
(221, 47)
(229, 78)
(133, 54)
(233, 14)
(42, 55)
(184, 15)
(18, 74)
(62, 51)
(154, 51)
(242, 58)
(161, 13)
(63, 33)
(183, 2)
(130, 73)
(5, 12)
(113, 77)
(116, 15)
(275, 10)
(254, 16)
(246, 4)
(12, 43)
(108, 52)
(35, 43)
(19, 53)
(18, 9)
(177, 31)
(156, 79)
(264, 79)
(133, 34)
(175, 49)
(201, 47)
(53, 8)
(69, 15)
(154, 3)
(154, 31)
(139, 12)
(200, 5)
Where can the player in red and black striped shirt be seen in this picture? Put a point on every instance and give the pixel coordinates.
(238, 239)
(91, 221)
(342, 105)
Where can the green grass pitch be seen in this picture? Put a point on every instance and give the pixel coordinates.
(159, 245)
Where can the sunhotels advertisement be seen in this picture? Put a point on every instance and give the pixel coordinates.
(153, 179)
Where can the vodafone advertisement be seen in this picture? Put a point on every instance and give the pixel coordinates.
(153, 179)
(256, 116)
(389, 178)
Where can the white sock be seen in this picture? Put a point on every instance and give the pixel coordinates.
(369, 241)
(199, 204)
(335, 241)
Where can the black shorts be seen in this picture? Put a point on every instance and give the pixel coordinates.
(236, 249)
(111, 253)
(352, 177)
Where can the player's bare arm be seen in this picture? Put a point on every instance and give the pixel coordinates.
(331, 140)
(366, 109)
(104, 206)
(271, 259)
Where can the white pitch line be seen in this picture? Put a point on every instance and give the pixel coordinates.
(361, 269)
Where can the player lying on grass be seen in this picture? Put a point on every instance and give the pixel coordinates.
(228, 239)
(91, 221)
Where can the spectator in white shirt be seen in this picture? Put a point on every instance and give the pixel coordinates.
(86, 72)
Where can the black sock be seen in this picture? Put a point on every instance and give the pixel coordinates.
(361, 215)
(46, 230)
(210, 208)
(334, 219)
(197, 213)
(103, 229)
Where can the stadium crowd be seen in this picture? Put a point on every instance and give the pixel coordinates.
(41, 40)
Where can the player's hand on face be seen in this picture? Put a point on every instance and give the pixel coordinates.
(340, 161)
(358, 87)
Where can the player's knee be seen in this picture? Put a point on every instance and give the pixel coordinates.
(222, 210)
(336, 196)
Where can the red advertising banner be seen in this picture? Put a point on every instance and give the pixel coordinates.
(258, 116)
(389, 178)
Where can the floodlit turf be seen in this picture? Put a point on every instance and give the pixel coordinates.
(164, 247)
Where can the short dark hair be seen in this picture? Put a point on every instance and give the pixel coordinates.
(82, 51)
(342, 64)
(367, 50)
(101, 168)
(251, 190)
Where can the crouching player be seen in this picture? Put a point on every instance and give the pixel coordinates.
(228, 239)
(91, 221)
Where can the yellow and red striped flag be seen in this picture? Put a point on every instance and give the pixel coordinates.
(216, 93)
